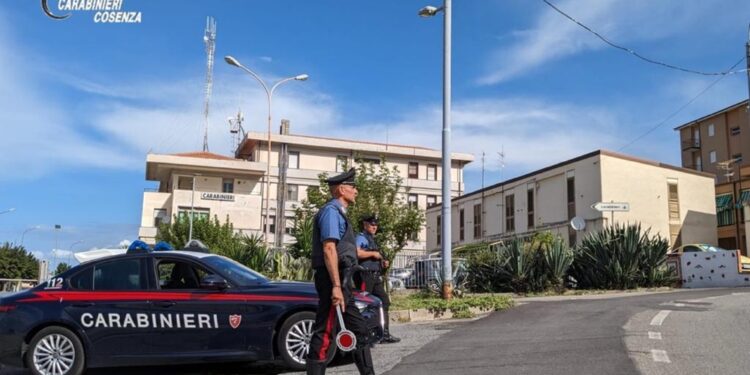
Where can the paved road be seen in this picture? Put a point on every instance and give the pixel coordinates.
(599, 335)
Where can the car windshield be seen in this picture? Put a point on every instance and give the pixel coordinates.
(236, 272)
(711, 249)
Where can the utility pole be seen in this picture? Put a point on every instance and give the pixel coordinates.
(209, 38)
(747, 61)
(481, 213)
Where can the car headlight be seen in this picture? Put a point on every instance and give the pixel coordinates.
(361, 306)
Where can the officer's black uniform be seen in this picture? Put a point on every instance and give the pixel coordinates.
(372, 280)
(326, 321)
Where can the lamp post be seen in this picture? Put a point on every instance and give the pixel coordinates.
(192, 209)
(8, 210)
(28, 230)
(445, 245)
(269, 95)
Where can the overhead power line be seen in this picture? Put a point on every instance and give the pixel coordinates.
(638, 55)
(658, 125)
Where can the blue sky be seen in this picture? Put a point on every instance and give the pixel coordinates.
(84, 102)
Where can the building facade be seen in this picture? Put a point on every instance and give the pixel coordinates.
(675, 203)
(717, 143)
(236, 187)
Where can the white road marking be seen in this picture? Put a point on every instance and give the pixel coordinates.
(660, 356)
(679, 304)
(654, 335)
(659, 318)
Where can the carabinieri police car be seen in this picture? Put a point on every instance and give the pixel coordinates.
(146, 307)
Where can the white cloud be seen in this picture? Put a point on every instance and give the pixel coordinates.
(61, 254)
(553, 37)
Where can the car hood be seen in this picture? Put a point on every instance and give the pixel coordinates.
(306, 289)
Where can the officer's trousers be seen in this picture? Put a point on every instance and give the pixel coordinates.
(372, 282)
(326, 327)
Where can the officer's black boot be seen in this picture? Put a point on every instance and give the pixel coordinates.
(389, 339)
(363, 360)
(316, 367)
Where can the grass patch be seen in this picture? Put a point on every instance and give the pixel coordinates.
(460, 307)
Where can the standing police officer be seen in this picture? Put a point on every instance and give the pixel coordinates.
(334, 251)
(371, 257)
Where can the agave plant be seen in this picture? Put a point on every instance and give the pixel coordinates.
(251, 252)
(558, 259)
(286, 267)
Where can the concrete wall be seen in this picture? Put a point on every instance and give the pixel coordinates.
(712, 270)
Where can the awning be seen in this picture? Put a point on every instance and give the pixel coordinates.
(744, 198)
(723, 202)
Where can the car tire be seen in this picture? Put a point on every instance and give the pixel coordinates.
(294, 334)
(55, 351)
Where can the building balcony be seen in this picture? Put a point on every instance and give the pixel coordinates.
(691, 144)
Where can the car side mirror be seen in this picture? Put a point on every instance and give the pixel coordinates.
(214, 282)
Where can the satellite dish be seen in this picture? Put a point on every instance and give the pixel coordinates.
(578, 224)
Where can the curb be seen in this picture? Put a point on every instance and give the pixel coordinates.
(425, 315)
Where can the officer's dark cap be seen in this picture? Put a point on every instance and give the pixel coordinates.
(346, 178)
(370, 218)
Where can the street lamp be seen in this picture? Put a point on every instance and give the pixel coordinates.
(8, 210)
(192, 209)
(70, 250)
(29, 230)
(445, 244)
(269, 94)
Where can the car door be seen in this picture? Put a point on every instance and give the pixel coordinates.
(194, 320)
(107, 300)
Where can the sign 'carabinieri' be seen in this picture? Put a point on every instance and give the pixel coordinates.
(611, 206)
(106, 11)
(218, 197)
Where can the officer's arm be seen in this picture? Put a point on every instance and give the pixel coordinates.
(362, 252)
(331, 259)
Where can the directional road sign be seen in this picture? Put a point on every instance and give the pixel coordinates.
(611, 206)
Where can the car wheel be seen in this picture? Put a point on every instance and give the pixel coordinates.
(294, 340)
(55, 351)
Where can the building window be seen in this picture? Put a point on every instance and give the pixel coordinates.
(735, 130)
(712, 157)
(413, 170)
(341, 163)
(571, 198)
(431, 200)
(510, 210)
(530, 207)
(413, 200)
(477, 221)
(289, 227)
(198, 213)
(227, 185)
(432, 172)
(737, 158)
(698, 162)
(184, 183)
(293, 160)
(439, 230)
(292, 192)
(461, 224)
(160, 217)
(271, 228)
(724, 210)
(372, 161)
(711, 130)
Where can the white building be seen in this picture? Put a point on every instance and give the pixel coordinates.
(673, 202)
(235, 187)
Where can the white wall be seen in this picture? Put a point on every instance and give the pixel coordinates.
(712, 270)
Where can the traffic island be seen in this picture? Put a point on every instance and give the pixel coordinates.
(425, 307)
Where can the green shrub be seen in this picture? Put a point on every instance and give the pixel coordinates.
(621, 257)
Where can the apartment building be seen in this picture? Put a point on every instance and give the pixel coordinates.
(718, 144)
(675, 203)
(236, 187)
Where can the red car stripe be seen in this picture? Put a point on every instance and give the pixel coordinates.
(53, 296)
(323, 354)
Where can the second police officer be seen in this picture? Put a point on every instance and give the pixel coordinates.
(334, 250)
(371, 257)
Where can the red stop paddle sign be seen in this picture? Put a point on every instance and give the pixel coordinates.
(345, 340)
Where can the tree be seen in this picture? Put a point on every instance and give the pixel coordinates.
(379, 192)
(17, 263)
(62, 267)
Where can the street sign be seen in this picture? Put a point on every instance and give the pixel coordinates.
(611, 206)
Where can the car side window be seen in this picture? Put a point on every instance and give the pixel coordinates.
(83, 280)
(126, 274)
(690, 249)
(176, 274)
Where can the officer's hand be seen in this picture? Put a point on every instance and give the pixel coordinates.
(376, 255)
(338, 298)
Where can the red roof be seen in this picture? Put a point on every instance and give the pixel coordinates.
(204, 155)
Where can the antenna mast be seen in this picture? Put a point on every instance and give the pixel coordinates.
(236, 129)
(209, 38)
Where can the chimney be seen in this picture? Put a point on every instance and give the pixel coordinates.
(284, 129)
